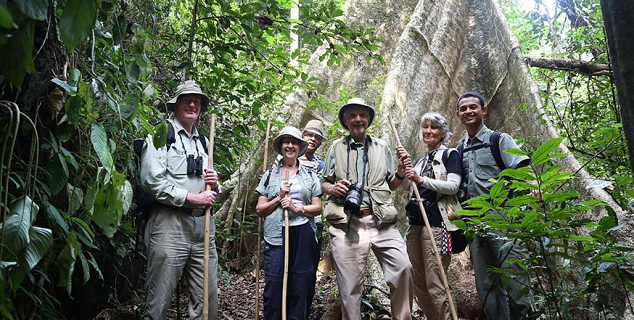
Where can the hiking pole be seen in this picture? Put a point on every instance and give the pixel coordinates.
(257, 260)
(286, 245)
(210, 165)
(443, 276)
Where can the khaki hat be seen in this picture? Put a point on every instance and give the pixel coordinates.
(316, 127)
(188, 87)
(293, 133)
(355, 102)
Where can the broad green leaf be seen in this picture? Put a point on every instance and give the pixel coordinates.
(16, 228)
(542, 154)
(17, 61)
(74, 76)
(75, 198)
(66, 260)
(34, 9)
(160, 135)
(129, 105)
(126, 196)
(68, 88)
(84, 232)
(109, 205)
(100, 145)
(94, 264)
(41, 239)
(77, 21)
(6, 21)
(55, 215)
(72, 106)
(58, 173)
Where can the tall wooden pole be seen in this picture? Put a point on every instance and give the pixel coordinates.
(286, 245)
(257, 260)
(443, 276)
(210, 165)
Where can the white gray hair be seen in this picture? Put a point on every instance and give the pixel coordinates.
(437, 120)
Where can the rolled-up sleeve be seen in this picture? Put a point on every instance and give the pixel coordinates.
(154, 176)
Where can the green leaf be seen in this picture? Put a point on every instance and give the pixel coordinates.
(160, 135)
(99, 141)
(541, 155)
(77, 21)
(57, 169)
(129, 105)
(75, 198)
(6, 21)
(16, 228)
(68, 88)
(66, 260)
(41, 239)
(34, 9)
(17, 61)
(72, 106)
(515, 151)
(580, 238)
(109, 204)
(55, 215)
(127, 193)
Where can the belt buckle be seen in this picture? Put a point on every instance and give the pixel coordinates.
(197, 212)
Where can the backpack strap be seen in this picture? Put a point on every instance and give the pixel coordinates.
(494, 142)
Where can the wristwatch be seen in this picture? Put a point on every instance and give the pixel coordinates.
(399, 176)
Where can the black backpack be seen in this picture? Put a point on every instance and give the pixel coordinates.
(494, 144)
(144, 202)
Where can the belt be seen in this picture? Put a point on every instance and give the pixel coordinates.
(194, 212)
(365, 212)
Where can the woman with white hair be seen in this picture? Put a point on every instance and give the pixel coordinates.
(437, 176)
(289, 186)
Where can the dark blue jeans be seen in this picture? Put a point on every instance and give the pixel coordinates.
(301, 267)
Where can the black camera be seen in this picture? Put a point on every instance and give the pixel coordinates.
(352, 204)
(194, 165)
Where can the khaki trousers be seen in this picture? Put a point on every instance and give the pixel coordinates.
(429, 290)
(350, 252)
(176, 246)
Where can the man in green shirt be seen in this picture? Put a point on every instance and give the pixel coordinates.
(174, 236)
(503, 300)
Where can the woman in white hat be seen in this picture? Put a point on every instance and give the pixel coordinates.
(300, 195)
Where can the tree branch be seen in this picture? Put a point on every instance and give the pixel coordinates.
(583, 67)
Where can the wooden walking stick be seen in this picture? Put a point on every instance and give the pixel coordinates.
(257, 260)
(286, 245)
(443, 276)
(210, 165)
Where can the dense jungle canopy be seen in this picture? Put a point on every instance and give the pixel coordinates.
(81, 79)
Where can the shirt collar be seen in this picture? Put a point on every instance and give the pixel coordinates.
(178, 127)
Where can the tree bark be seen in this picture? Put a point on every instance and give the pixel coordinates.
(617, 16)
(583, 67)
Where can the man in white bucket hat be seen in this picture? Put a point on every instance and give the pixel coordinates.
(174, 235)
(359, 178)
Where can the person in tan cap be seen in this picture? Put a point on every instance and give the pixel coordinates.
(359, 177)
(174, 236)
(313, 133)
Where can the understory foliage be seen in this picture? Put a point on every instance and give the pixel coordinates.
(107, 69)
(583, 107)
(575, 262)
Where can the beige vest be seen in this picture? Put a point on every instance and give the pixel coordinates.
(380, 194)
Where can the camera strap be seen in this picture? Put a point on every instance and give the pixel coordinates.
(365, 163)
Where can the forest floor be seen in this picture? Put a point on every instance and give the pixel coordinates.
(237, 297)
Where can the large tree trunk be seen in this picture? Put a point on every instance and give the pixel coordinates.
(435, 50)
(618, 16)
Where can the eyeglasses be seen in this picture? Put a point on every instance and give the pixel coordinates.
(311, 135)
(188, 101)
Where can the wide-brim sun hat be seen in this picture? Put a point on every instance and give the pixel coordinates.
(291, 132)
(316, 127)
(355, 102)
(188, 87)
